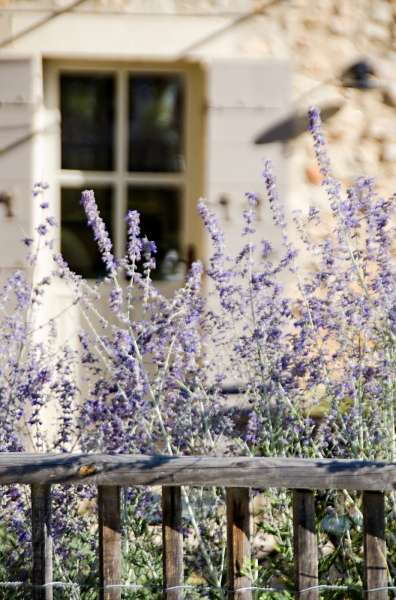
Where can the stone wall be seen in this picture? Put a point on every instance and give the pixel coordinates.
(321, 38)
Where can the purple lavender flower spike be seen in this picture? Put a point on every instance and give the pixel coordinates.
(315, 127)
(134, 246)
(100, 233)
(252, 198)
(38, 188)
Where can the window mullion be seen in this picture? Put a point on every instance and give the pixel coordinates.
(121, 132)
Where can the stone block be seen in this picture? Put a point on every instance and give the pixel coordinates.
(382, 12)
(388, 153)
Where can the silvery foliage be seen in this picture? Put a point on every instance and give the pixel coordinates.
(315, 370)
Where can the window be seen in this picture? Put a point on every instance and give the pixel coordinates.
(87, 104)
(131, 135)
(156, 107)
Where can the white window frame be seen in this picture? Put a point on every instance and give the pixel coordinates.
(190, 182)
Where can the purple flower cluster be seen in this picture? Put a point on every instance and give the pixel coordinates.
(101, 235)
(314, 367)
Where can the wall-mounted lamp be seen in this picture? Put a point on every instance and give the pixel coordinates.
(359, 75)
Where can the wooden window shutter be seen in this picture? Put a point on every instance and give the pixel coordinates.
(244, 97)
(25, 127)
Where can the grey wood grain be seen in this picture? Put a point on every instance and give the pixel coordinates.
(109, 541)
(172, 543)
(41, 541)
(375, 564)
(105, 469)
(305, 545)
(238, 543)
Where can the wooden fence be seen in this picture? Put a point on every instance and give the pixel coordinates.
(109, 472)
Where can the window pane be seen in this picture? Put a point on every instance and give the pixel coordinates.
(78, 246)
(160, 218)
(87, 109)
(155, 123)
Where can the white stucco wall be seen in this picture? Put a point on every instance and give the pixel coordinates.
(319, 38)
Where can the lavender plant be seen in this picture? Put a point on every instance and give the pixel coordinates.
(314, 366)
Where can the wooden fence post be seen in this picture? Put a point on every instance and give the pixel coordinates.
(375, 565)
(109, 541)
(305, 545)
(172, 543)
(41, 541)
(238, 542)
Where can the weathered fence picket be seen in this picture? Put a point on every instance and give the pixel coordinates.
(172, 543)
(109, 514)
(109, 472)
(375, 563)
(41, 541)
(305, 545)
(238, 543)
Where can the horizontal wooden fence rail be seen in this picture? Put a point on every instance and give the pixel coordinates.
(109, 472)
(131, 469)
